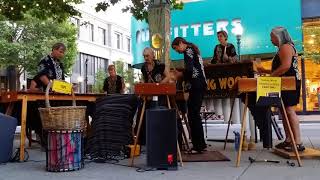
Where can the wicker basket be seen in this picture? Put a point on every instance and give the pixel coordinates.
(63, 117)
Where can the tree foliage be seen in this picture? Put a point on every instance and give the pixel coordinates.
(62, 9)
(42, 9)
(99, 80)
(24, 43)
(126, 73)
(139, 8)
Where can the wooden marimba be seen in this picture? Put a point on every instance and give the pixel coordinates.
(25, 97)
(247, 85)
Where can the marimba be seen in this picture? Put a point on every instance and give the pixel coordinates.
(153, 89)
(247, 85)
(25, 97)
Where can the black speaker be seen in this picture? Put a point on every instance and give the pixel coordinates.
(161, 138)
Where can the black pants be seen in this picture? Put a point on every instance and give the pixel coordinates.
(195, 122)
(262, 117)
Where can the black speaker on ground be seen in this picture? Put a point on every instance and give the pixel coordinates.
(161, 138)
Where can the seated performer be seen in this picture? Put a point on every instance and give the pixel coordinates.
(224, 52)
(195, 77)
(114, 84)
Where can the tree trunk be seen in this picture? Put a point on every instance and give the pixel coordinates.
(159, 30)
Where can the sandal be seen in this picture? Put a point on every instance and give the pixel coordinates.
(283, 145)
(300, 148)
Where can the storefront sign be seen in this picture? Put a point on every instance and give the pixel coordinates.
(199, 22)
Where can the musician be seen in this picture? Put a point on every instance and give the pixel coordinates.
(114, 84)
(224, 52)
(195, 77)
(50, 67)
(152, 72)
(285, 63)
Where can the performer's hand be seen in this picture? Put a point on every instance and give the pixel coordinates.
(225, 57)
(178, 74)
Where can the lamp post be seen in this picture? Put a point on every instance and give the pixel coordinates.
(238, 32)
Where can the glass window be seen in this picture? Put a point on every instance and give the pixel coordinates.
(102, 36)
(90, 32)
(76, 22)
(128, 44)
(311, 39)
(118, 39)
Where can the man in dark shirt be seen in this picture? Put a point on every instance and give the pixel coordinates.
(114, 84)
(50, 67)
(153, 71)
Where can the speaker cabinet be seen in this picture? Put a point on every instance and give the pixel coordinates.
(161, 138)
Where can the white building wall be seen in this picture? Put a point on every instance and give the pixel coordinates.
(114, 22)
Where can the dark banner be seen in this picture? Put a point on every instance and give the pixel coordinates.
(221, 78)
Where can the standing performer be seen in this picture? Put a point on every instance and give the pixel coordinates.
(152, 72)
(224, 52)
(194, 75)
(285, 63)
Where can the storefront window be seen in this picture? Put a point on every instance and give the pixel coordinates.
(311, 40)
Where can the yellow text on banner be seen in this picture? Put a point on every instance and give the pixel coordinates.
(61, 87)
(269, 87)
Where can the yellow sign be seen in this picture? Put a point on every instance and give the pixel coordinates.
(268, 87)
(61, 87)
(156, 41)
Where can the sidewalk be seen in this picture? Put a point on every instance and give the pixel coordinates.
(35, 168)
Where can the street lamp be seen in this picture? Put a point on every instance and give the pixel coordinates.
(238, 31)
(80, 79)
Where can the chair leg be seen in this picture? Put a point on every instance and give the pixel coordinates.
(243, 127)
(286, 120)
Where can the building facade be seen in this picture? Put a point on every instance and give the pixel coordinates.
(257, 18)
(103, 38)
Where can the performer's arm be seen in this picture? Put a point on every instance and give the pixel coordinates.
(189, 59)
(122, 86)
(233, 56)
(166, 78)
(44, 79)
(105, 86)
(214, 59)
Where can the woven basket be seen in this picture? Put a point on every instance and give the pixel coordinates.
(63, 117)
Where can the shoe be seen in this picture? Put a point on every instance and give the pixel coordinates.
(283, 145)
(193, 151)
(300, 148)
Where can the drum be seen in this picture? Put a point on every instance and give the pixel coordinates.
(65, 151)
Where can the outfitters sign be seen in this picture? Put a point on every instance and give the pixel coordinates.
(199, 22)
